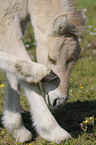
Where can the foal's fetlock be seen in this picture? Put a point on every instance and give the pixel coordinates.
(14, 126)
(30, 71)
(22, 135)
(57, 135)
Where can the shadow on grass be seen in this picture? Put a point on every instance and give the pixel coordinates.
(73, 114)
(28, 122)
(68, 117)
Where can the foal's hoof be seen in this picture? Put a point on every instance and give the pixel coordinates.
(55, 134)
(22, 135)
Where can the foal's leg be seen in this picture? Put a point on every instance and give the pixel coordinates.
(23, 69)
(12, 119)
(43, 120)
(11, 42)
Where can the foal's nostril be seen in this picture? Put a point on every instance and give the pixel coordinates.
(58, 102)
(55, 103)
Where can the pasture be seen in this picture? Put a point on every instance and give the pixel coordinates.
(78, 116)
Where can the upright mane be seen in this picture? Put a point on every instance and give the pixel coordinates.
(75, 19)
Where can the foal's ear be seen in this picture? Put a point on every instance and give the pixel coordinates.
(65, 24)
(59, 24)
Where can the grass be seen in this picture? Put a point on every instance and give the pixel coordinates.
(82, 90)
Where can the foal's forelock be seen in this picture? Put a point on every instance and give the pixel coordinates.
(74, 17)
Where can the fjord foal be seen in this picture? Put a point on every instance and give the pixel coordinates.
(56, 25)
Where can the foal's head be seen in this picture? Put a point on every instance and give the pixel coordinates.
(63, 51)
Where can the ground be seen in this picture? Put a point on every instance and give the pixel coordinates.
(79, 114)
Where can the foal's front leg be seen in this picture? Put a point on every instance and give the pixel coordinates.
(44, 122)
(12, 118)
(23, 69)
(11, 43)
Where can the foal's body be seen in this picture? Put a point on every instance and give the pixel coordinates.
(50, 20)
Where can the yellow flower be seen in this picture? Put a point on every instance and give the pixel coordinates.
(87, 91)
(2, 85)
(84, 129)
(86, 121)
(91, 118)
(81, 87)
(70, 79)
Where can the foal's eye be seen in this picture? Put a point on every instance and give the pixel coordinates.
(51, 60)
(69, 60)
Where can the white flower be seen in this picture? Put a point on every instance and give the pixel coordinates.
(89, 26)
(34, 43)
(27, 45)
(71, 90)
(89, 45)
(94, 51)
(85, 10)
(92, 33)
(80, 39)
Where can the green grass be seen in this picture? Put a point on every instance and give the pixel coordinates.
(82, 90)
